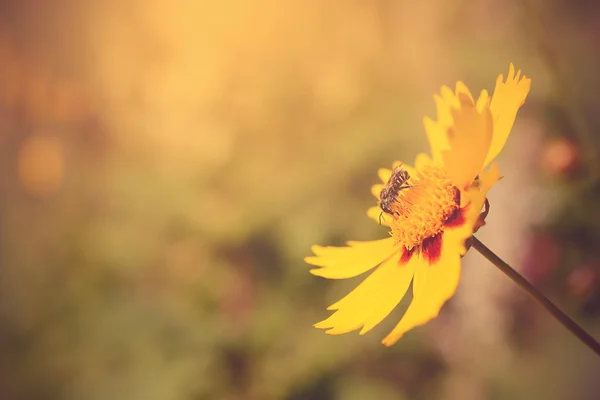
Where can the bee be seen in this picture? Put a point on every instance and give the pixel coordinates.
(389, 193)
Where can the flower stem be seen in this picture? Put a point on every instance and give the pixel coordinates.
(539, 297)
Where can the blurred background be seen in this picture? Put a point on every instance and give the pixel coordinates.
(166, 166)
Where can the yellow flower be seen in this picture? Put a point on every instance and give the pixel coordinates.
(434, 213)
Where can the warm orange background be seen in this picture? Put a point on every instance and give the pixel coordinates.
(166, 165)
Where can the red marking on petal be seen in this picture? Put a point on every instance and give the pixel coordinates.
(457, 218)
(457, 196)
(406, 256)
(432, 249)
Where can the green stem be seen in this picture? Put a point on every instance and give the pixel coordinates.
(537, 296)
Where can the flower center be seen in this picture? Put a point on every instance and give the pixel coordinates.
(422, 209)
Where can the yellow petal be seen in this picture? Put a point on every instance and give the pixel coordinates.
(483, 101)
(469, 137)
(422, 160)
(477, 194)
(384, 174)
(455, 237)
(350, 261)
(436, 135)
(376, 190)
(508, 97)
(461, 88)
(435, 285)
(419, 279)
(449, 97)
(372, 300)
(443, 104)
(474, 199)
(376, 215)
(436, 130)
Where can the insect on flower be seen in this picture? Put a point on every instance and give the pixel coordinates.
(388, 198)
(435, 206)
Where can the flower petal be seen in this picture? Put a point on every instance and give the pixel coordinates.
(449, 99)
(436, 135)
(477, 193)
(482, 101)
(508, 97)
(419, 279)
(436, 131)
(461, 88)
(435, 285)
(372, 300)
(469, 136)
(459, 230)
(422, 160)
(350, 261)
(384, 174)
(376, 190)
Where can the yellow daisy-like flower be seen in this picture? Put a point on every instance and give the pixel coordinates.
(431, 213)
